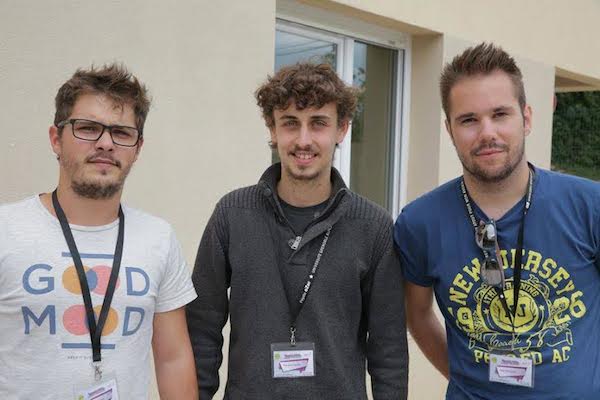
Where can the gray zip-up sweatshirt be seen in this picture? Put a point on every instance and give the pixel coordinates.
(354, 311)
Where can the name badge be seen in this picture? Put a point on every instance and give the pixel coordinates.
(297, 361)
(511, 370)
(106, 389)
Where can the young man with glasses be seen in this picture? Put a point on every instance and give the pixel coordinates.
(510, 250)
(315, 284)
(87, 285)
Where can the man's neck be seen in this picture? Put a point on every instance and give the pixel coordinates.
(83, 211)
(496, 198)
(304, 193)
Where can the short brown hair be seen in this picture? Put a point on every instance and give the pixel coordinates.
(482, 59)
(111, 80)
(308, 85)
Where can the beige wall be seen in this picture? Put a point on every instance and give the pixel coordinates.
(558, 33)
(201, 65)
(202, 60)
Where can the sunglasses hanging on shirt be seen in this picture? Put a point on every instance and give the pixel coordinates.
(486, 237)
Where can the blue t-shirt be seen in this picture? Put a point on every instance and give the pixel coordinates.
(558, 319)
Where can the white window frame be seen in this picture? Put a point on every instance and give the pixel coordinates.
(304, 20)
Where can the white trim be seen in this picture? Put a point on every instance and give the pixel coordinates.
(332, 25)
(318, 34)
(344, 152)
(402, 182)
(295, 11)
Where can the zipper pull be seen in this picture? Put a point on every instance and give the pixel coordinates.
(294, 245)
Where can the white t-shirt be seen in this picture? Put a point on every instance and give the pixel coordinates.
(44, 342)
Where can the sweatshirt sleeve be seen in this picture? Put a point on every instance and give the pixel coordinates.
(207, 315)
(387, 349)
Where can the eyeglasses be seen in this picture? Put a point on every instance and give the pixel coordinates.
(92, 131)
(487, 239)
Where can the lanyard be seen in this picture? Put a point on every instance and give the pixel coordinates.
(519, 250)
(95, 328)
(306, 289)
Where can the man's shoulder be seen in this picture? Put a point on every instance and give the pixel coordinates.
(11, 210)
(431, 203)
(244, 197)
(143, 220)
(555, 181)
(361, 207)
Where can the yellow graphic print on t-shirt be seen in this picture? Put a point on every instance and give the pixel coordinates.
(548, 303)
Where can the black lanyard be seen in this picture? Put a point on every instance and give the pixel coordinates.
(306, 289)
(94, 328)
(519, 250)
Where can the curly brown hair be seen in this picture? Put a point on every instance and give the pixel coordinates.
(112, 80)
(483, 59)
(308, 85)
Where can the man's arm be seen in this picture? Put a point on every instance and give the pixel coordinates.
(387, 349)
(173, 358)
(207, 315)
(425, 327)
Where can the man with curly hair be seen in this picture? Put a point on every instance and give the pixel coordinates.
(315, 284)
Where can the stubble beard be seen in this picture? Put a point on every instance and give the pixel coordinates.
(301, 178)
(95, 189)
(508, 168)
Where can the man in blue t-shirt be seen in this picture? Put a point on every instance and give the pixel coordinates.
(505, 230)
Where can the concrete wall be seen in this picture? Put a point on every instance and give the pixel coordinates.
(202, 60)
(556, 33)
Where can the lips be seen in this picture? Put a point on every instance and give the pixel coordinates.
(305, 156)
(104, 160)
(489, 150)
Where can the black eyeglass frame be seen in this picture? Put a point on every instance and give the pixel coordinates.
(110, 128)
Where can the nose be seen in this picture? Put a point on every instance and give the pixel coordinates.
(487, 129)
(105, 141)
(304, 137)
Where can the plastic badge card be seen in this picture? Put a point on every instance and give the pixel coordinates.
(103, 390)
(293, 361)
(511, 370)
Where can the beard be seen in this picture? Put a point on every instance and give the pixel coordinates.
(94, 188)
(303, 174)
(485, 176)
(289, 171)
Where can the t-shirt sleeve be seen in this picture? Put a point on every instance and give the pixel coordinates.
(411, 244)
(176, 288)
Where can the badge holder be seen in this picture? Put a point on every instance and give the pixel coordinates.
(102, 387)
(511, 370)
(293, 361)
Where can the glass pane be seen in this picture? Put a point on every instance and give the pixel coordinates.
(291, 48)
(372, 129)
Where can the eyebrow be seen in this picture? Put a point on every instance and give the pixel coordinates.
(313, 117)
(464, 116)
(495, 110)
(320, 116)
